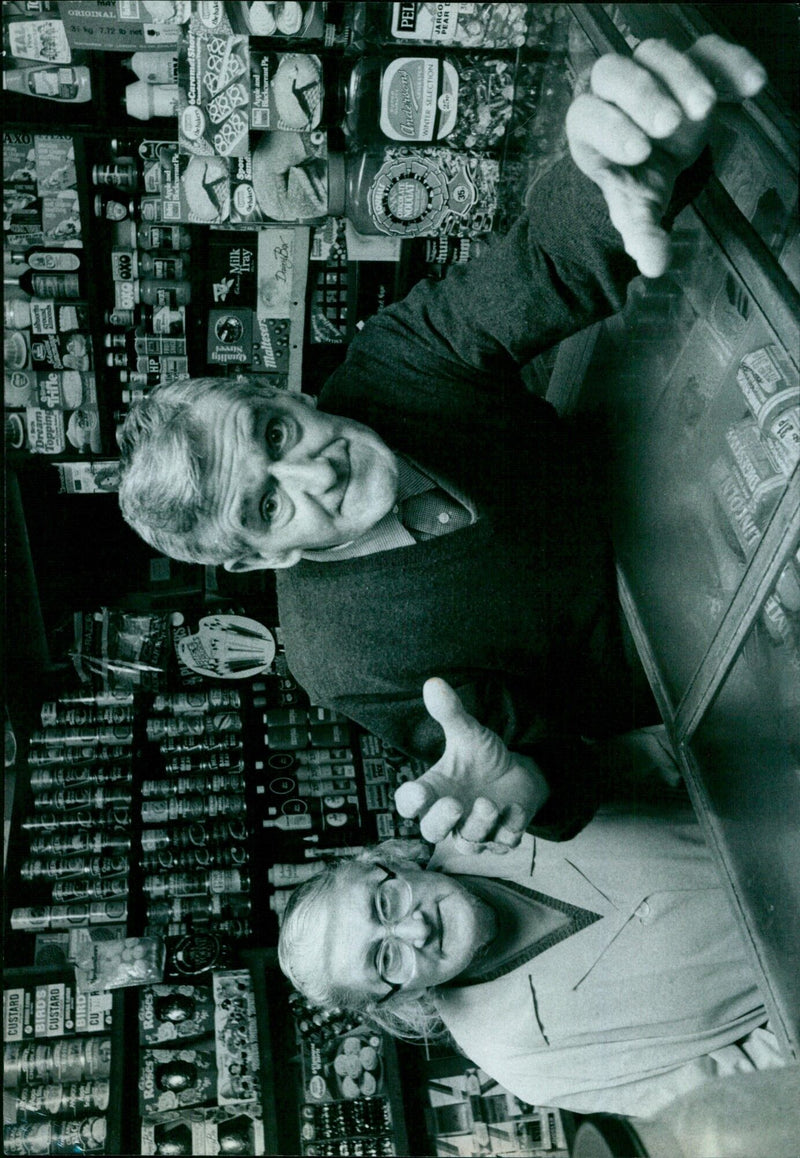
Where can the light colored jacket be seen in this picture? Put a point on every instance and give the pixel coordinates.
(638, 1007)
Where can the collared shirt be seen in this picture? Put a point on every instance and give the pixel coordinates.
(424, 510)
(522, 909)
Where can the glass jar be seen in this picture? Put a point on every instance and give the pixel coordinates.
(464, 102)
(414, 192)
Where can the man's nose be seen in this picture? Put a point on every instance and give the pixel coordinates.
(313, 476)
(414, 929)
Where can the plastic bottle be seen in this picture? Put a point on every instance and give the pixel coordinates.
(144, 101)
(51, 82)
(154, 67)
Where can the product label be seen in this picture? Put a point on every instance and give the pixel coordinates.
(419, 99)
(39, 40)
(423, 192)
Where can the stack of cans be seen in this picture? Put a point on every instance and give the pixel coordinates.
(194, 835)
(79, 828)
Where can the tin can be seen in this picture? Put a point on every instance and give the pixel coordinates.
(198, 702)
(102, 889)
(328, 735)
(72, 1100)
(158, 811)
(83, 754)
(210, 742)
(188, 836)
(67, 867)
(122, 174)
(219, 782)
(186, 725)
(101, 698)
(164, 912)
(282, 717)
(81, 1136)
(233, 929)
(228, 881)
(80, 842)
(53, 714)
(78, 775)
(83, 797)
(191, 859)
(84, 734)
(66, 916)
(32, 1138)
(119, 817)
(191, 763)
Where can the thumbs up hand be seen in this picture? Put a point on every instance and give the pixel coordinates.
(479, 791)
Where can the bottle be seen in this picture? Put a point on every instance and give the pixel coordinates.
(150, 209)
(46, 260)
(151, 236)
(47, 285)
(154, 67)
(160, 293)
(144, 101)
(113, 205)
(51, 82)
(164, 265)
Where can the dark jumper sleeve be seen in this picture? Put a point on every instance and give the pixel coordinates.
(559, 269)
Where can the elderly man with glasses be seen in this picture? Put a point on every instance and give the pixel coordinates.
(600, 974)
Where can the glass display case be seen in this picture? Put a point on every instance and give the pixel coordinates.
(698, 379)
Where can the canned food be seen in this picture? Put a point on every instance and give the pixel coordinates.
(54, 714)
(101, 889)
(193, 762)
(72, 1100)
(80, 818)
(209, 742)
(79, 754)
(78, 775)
(197, 701)
(84, 734)
(79, 841)
(221, 782)
(122, 174)
(83, 797)
(171, 860)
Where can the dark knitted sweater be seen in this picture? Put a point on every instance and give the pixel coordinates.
(518, 611)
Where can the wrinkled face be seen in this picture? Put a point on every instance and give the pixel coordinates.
(444, 928)
(285, 478)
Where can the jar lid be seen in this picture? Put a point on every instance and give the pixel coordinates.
(336, 185)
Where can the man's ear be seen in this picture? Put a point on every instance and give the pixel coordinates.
(271, 562)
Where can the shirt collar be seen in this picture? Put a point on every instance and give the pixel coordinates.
(388, 533)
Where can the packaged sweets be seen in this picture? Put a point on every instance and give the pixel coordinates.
(133, 961)
(170, 1013)
(169, 1078)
